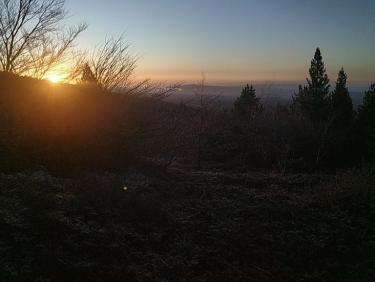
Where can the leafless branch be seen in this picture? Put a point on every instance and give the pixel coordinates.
(31, 38)
(113, 67)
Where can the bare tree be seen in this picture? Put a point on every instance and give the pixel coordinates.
(32, 40)
(204, 105)
(113, 67)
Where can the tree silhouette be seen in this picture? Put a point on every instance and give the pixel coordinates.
(87, 75)
(342, 105)
(204, 104)
(366, 124)
(246, 109)
(312, 100)
(32, 40)
(247, 105)
(113, 67)
(342, 118)
(313, 103)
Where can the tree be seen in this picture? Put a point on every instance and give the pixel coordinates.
(366, 124)
(342, 105)
(113, 68)
(87, 75)
(113, 65)
(31, 38)
(312, 101)
(246, 118)
(342, 117)
(204, 105)
(247, 105)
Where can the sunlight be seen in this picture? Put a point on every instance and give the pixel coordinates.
(54, 78)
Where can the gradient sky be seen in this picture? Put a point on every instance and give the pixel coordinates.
(234, 41)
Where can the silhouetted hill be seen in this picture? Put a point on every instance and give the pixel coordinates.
(64, 128)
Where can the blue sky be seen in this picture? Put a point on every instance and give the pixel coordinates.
(238, 40)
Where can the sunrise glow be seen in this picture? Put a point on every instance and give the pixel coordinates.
(54, 78)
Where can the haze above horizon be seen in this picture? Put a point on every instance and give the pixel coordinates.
(236, 41)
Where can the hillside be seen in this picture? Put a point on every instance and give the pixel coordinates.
(67, 128)
(117, 165)
(187, 226)
(99, 186)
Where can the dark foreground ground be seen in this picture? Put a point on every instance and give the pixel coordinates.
(187, 226)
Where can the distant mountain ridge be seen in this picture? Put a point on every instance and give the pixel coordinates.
(270, 94)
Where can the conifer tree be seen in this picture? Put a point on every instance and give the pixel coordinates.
(246, 109)
(342, 105)
(341, 123)
(87, 75)
(312, 100)
(247, 105)
(366, 124)
(367, 110)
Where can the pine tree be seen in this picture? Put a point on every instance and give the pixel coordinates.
(318, 81)
(247, 105)
(342, 105)
(312, 100)
(366, 124)
(341, 123)
(246, 108)
(87, 75)
(367, 110)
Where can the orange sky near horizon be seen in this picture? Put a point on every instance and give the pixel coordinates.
(242, 41)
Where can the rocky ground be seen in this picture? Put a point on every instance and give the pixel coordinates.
(187, 226)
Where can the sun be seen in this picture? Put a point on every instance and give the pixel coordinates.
(54, 78)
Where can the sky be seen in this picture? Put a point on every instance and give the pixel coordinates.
(236, 41)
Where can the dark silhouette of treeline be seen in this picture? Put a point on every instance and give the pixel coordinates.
(71, 128)
(320, 129)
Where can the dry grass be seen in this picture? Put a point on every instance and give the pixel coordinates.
(195, 226)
